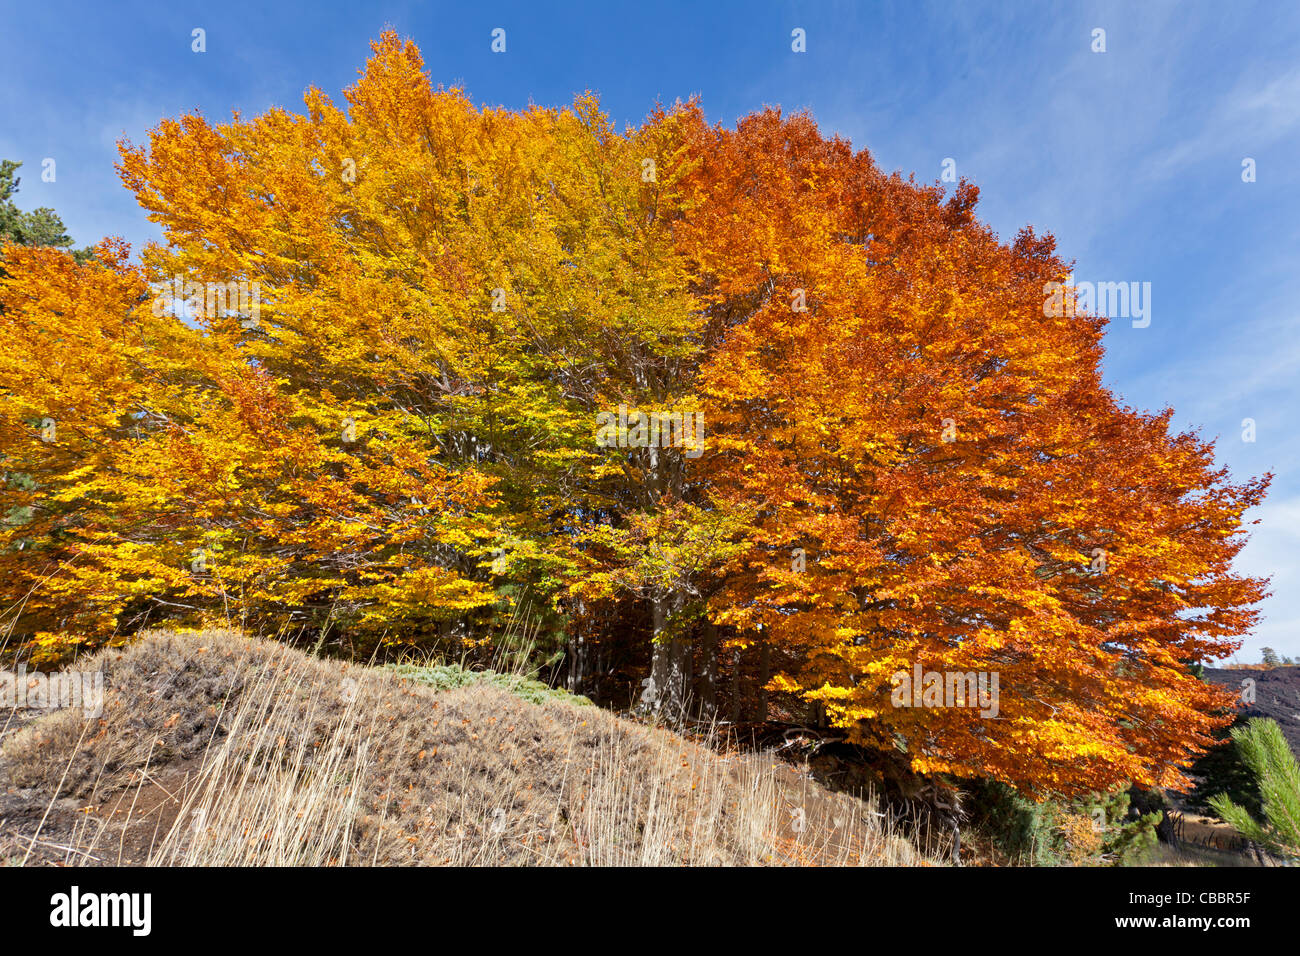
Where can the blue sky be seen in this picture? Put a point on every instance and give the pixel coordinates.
(1131, 157)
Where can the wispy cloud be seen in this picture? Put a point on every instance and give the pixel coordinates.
(1252, 115)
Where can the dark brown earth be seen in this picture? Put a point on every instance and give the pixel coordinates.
(118, 829)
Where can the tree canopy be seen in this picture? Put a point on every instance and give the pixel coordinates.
(741, 413)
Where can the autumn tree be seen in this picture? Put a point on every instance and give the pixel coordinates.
(962, 491)
(167, 477)
(472, 287)
(713, 395)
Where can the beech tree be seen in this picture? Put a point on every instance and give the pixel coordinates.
(967, 494)
(164, 476)
(722, 394)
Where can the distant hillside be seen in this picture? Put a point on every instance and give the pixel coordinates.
(1277, 695)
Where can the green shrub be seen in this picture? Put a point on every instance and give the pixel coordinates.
(448, 676)
(1099, 830)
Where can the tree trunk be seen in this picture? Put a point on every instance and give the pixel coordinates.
(707, 684)
(737, 689)
(577, 654)
(667, 690)
(577, 664)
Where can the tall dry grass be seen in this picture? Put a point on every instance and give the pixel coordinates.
(295, 761)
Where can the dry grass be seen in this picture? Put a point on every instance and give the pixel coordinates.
(244, 752)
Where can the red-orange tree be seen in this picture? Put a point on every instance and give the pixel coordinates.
(942, 479)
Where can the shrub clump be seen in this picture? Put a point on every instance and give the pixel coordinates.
(1102, 829)
(452, 676)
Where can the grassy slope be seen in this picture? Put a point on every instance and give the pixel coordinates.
(218, 749)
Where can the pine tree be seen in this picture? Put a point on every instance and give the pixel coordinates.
(1266, 753)
(40, 227)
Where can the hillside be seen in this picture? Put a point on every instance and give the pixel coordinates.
(219, 749)
(1277, 696)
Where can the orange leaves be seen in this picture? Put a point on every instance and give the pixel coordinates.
(974, 499)
(179, 479)
(905, 462)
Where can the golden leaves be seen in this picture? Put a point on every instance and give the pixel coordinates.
(945, 458)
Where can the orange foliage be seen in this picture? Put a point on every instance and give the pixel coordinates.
(447, 300)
